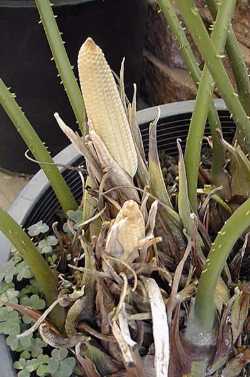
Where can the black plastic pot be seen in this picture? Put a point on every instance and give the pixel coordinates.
(116, 25)
(37, 200)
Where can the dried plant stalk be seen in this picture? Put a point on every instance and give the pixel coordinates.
(104, 106)
(160, 328)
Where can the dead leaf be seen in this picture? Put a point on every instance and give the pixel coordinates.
(160, 328)
(222, 295)
(239, 169)
(224, 341)
(239, 313)
(236, 364)
(180, 362)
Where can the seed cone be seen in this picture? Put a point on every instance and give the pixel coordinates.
(104, 107)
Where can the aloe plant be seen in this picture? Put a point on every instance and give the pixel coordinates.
(204, 308)
(201, 329)
(189, 58)
(214, 63)
(237, 61)
(204, 97)
(132, 230)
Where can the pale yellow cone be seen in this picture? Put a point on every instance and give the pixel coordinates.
(104, 106)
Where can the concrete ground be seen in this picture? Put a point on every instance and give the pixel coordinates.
(10, 185)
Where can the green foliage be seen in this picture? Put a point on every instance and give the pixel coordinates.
(35, 302)
(8, 293)
(46, 278)
(201, 328)
(33, 354)
(201, 37)
(203, 99)
(31, 288)
(23, 271)
(238, 64)
(38, 365)
(15, 267)
(75, 216)
(29, 346)
(38, 228)
(34, 357)
(189, 58)
(9, 321)
(233, 228)
(58, 365)
(46, 245)
(8, 270)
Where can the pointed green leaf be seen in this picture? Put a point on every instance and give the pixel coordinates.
(183, 198)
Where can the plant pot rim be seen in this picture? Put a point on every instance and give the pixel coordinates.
(31, 3)
(36, 187)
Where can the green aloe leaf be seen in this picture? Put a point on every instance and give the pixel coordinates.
(201, 37)
(184, 206)
(203, 99)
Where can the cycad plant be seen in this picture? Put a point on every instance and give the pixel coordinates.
(142, 283)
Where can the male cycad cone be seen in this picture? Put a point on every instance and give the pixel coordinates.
(104, 106)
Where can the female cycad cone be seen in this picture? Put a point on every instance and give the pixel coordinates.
(104, 106)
